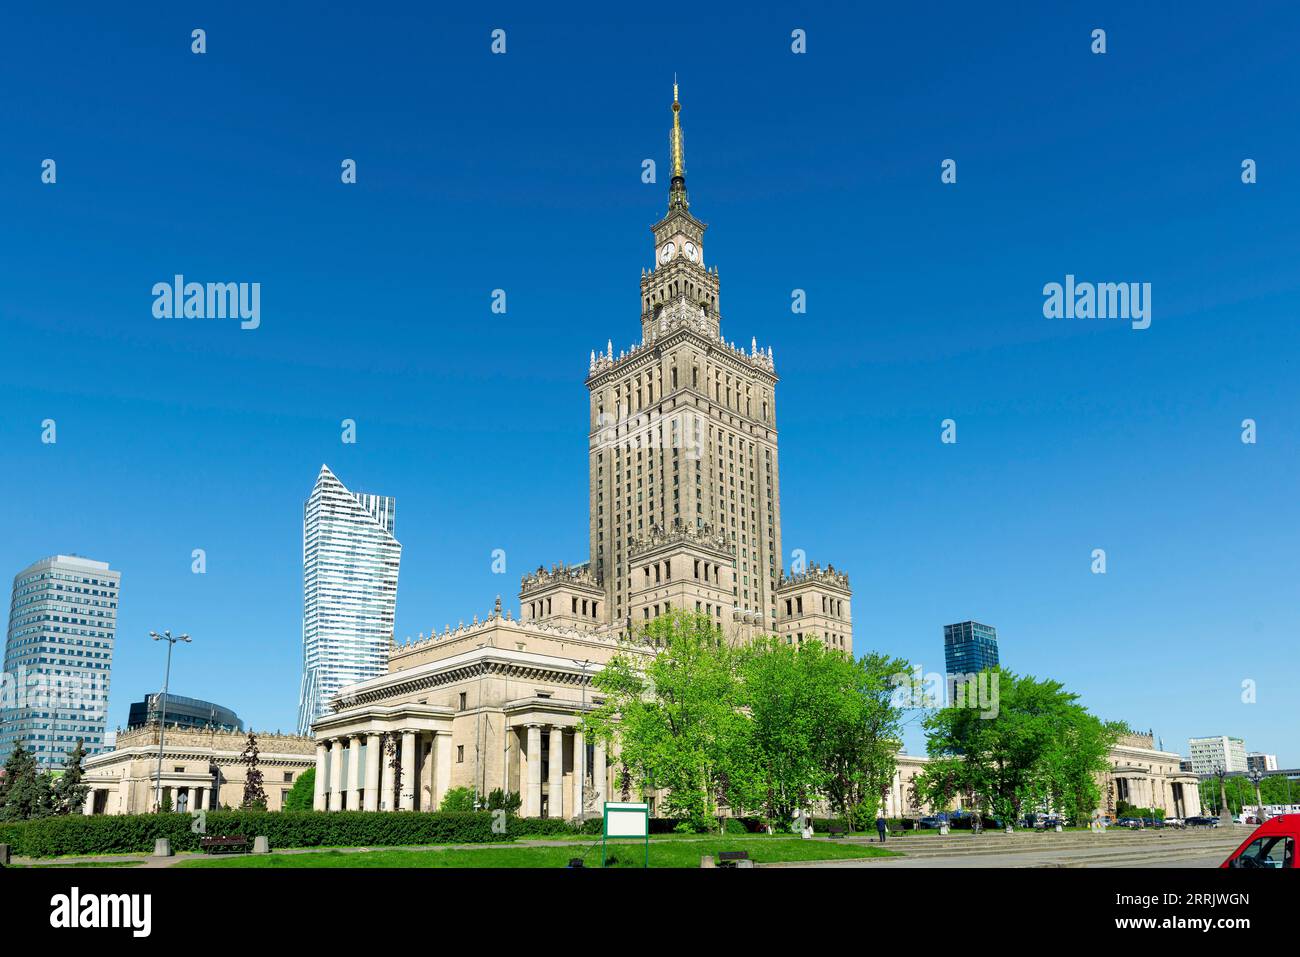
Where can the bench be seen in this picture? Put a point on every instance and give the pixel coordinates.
(732, 858)
(217, 845)
(836, 830)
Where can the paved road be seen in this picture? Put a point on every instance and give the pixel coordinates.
(1205, 849)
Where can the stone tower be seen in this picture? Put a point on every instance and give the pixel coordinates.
(684, 481)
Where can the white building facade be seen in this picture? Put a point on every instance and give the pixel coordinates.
(350, 561)
(1218, 753)
(58, 658)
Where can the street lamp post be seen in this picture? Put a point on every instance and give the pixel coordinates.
(1256, 775)
(162, 721)
(1225, 812)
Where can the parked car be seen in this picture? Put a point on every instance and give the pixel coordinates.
(1201, 822)
(1271, 845)
(1132, 822)
(1174, 822)
(929, 822)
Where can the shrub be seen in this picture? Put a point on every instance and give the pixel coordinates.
(458, 800)
(136, 833)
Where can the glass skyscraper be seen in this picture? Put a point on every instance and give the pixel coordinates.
(58, 658)
(969, 647)
(350, 560)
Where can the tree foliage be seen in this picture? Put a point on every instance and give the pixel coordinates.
(25, 792)
(1038, 748)
(302, 796)
(675, 719)
(68, 794)
(768, 727)
(458, 800)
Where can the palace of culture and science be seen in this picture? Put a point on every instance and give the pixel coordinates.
(685, 513)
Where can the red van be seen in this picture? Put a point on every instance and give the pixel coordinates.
(1273, 844)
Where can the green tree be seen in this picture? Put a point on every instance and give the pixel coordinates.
(824, 724)
(857, 742)
(792, 694)
(302, 796)
(458, 799)
(68, 795)
(498, 800)
(1036, 745)
(676, 717)
(25, 791)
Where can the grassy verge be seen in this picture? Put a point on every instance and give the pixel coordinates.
(763, 850)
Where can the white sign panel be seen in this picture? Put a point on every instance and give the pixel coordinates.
(624, 819)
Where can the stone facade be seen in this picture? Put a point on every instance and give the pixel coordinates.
(493, 704)
(201, 770)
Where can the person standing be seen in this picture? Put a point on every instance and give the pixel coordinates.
(881, 828)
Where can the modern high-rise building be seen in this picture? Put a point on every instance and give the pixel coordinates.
(350, 561)
(182, 712)
(58, 658)
(1259, 761)
(1218, 753)
(969, 647)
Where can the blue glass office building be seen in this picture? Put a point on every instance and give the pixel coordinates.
(969, 647)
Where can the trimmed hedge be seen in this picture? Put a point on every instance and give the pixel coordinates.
(75, 834)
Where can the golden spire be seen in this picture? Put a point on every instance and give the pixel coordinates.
(678, 166)
(677, 192)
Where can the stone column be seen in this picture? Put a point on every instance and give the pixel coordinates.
(600, 775)
(579, 774)
(386, 782)
(89, 807)
(555, 773)
(441, 758)
(354, 772)
(318, 796)
(373, 760)
(336, 774)
(409, 781)
(533, 795)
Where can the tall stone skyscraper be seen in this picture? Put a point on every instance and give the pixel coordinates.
(350, 561)
(58, 658)
(685, 508)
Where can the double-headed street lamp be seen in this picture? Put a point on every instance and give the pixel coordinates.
(162, 722)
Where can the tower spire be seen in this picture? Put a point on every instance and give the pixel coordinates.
(677, 190)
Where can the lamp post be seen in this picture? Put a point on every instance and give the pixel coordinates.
(162, 721)
(1225, 812)
(1255, 775)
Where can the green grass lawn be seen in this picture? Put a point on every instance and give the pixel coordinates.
(662, 854)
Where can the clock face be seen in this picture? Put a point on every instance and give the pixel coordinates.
(691, 252)
(666, 252)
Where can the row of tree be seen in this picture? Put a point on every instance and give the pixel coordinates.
(761, 728)
(28, 792)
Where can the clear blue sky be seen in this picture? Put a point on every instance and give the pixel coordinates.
(522, 172)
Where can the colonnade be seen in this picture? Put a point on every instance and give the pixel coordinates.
(348, 779)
